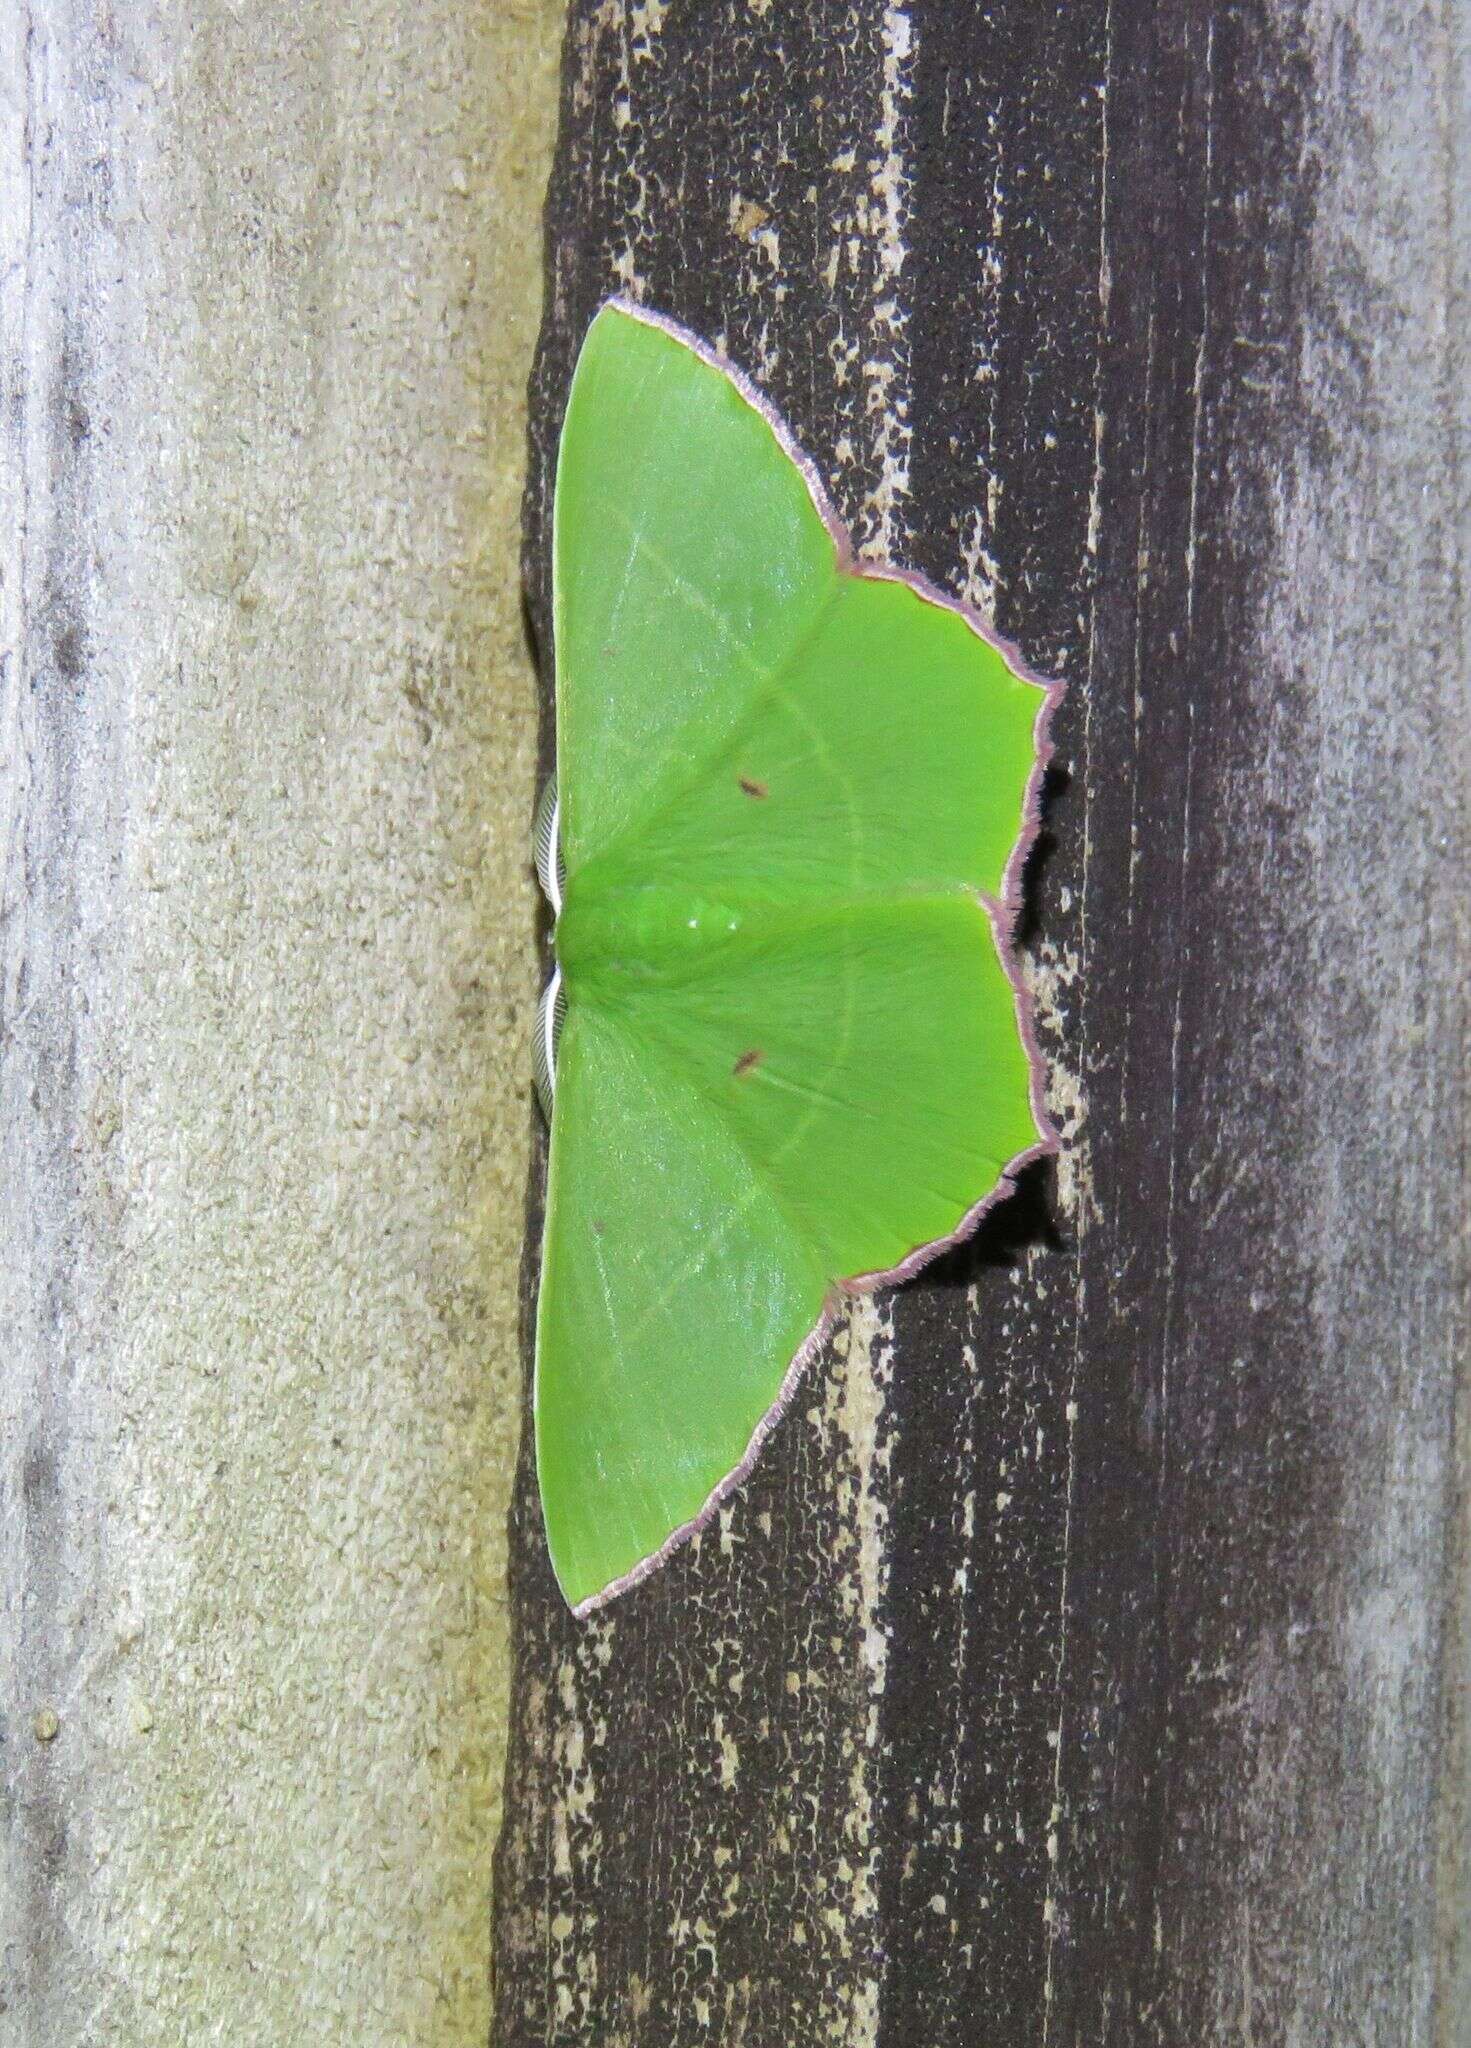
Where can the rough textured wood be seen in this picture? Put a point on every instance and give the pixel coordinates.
(1077, 1666)
(268, 292)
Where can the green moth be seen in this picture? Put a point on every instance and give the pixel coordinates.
(786, 1050)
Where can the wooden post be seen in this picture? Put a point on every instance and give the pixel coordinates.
(1085, 1661)
(268, 289)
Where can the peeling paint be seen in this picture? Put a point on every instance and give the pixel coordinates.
(884, 366)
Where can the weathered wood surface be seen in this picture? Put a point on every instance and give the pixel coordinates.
(269, 280)
(1080, 1665)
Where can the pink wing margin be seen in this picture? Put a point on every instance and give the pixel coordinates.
(1003, 912)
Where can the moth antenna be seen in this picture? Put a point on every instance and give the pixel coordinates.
(551, 1013)
(551, 869)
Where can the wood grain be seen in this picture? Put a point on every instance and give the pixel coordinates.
(268, 293)
(1081, 1663)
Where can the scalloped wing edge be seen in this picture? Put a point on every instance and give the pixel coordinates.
(1003, 911)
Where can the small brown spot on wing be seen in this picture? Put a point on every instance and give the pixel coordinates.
(752, 788)
(747, 1060)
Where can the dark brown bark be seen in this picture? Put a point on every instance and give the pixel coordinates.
(1076, 1666)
